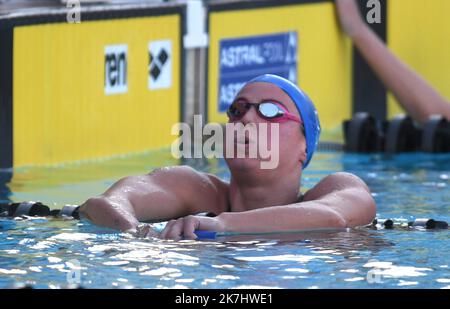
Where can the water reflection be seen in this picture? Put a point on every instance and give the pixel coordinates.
(287, 260)
(38, 251)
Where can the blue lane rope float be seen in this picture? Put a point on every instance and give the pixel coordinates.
(37, 209)
(206, 234)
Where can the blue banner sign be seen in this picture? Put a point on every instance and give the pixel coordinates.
(243, 58)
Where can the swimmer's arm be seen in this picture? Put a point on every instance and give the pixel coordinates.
(338, 201)
(416, 95)
(161, 195)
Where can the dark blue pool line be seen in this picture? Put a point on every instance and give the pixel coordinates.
(205, 234)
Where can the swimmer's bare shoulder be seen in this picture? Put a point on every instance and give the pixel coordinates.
(195, 191)
(164, 194)
(347, 195)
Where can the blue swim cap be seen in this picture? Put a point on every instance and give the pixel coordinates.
(305, 107)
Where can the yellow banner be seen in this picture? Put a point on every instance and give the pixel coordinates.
(95, 89)
(419, 34)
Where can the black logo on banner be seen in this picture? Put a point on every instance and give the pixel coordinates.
(157, 64)
(160, 65)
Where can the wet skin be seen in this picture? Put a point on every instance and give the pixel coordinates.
(255, 200)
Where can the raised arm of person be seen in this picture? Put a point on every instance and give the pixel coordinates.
(338, 201)
(163, 194)
(417, 96)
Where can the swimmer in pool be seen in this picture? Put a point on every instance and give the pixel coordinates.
(417, 97)
(256, 200)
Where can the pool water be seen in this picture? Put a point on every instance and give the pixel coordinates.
(56, 253)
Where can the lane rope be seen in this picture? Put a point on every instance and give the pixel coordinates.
(37, 209)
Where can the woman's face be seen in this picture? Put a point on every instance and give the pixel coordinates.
(289, 140)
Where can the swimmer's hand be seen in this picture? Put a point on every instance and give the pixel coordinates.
(184, 228)
(350, 17)
(143, 230)
(115, 214)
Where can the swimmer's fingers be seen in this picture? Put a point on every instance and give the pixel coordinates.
(151, 233)
(132, 232)
(194, 223)
(191, 223)
(173, 229)
(186, 227)
(143, 230)
(166, 229)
